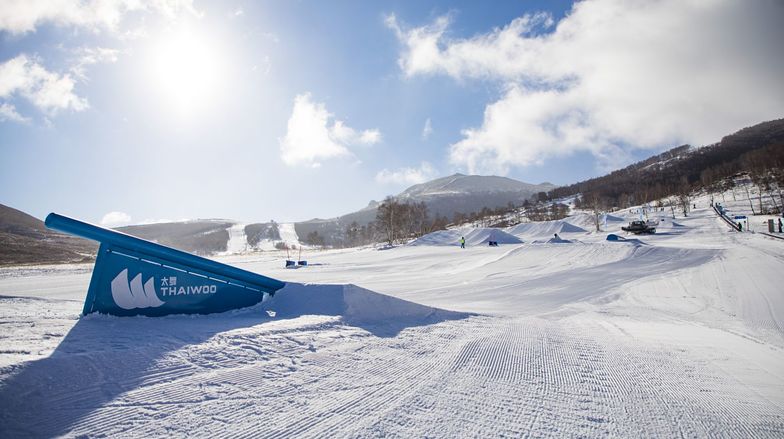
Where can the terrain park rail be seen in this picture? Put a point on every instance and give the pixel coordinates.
(722, 215)
(133, 276)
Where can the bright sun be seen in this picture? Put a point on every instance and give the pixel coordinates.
(185, 69)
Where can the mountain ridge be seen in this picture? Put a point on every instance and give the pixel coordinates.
(459, 183)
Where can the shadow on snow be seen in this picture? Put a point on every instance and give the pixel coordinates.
(103, 357)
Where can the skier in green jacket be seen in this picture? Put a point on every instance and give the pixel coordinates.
(462, 242)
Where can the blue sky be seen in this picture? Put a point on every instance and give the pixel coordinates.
(293, 110)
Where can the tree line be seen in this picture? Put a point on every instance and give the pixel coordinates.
(757, 151)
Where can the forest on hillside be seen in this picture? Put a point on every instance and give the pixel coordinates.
(756, 152)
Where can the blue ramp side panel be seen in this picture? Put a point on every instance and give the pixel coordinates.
(133, 276)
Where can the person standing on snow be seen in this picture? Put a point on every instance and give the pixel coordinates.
(462, 242)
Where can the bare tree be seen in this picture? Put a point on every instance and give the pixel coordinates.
(683, 196)
(764, 182)
(748, 195)
(385, 218)
(401, 221)
(671, 203)
(597, 205)
(684, 201)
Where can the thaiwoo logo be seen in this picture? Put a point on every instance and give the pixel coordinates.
(169, 287)
(131, 295)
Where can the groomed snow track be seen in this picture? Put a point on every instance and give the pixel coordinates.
(491, 377)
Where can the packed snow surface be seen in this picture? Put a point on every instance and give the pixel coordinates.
(682, 336)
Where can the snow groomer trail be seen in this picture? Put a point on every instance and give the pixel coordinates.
(675, 334)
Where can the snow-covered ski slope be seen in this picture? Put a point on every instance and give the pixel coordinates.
(238, 241)
(679, 334)
(288, 234)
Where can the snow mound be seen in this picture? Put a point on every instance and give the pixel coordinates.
(616, 219)
(473, 237)
(571, 228)
(558, 240)
(616, 238)
(545, 228)
(441, 237)
(583, 220)
(354, 304)
(483, 235)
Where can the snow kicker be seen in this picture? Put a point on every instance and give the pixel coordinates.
(176, 282)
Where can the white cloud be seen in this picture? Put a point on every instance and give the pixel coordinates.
(502, 52)
(49, 92)
(346, 135)
(115, 219)
(87, 56)
(427, 130)
(407, 176)
(313, 136)
(8, 112)
(422, 44)
(369, 137)
(20, 16)
(611, 76)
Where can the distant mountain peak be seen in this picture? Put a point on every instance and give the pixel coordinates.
(458, 183)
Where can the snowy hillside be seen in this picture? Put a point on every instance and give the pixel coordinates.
(675, 334)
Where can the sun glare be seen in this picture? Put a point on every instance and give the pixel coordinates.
(185, 69)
